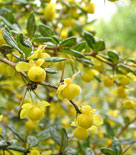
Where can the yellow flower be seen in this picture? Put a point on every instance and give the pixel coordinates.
(97, 120)
(89, 7)
(35, 72)
(68, 90)
(39, 53)
(108, 82)
(86, 109)
(81, 133)
(89, 75)
(47, 152)
(129, 104)
(121, 92)
(33, 111)
(34, 152)
(93, 129)
(85, 120)
(50, 12)
(30, 125)
(125, 80)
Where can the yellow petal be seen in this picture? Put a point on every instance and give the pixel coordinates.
(26, 105)
(22, 66)
(31, 63)
(59, 91)
(23, 113)
(45, 103)
(1, 116)
(39, 62)
(97, 120)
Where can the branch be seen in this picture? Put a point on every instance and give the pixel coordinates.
(48, 84)
(8, 62)
(76, 107)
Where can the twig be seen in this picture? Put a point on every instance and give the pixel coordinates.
(22, 100)
(8, 62)
(75, 106)
(48, 84)
(62, 73)
(127, 148)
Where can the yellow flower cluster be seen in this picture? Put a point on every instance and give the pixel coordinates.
(87, 121)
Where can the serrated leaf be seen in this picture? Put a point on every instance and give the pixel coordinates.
(114, 56)
(25, 46)
(10, 40)
(99, 45)
(64, 140)
(55, 135)
(51, 71)
(68, 42)
(54, 59)
(72, 52)
(31, 25)
(46, 31)
(107, 151)
(116, 146)
(89, 39)
(32, 141)
(89, 151)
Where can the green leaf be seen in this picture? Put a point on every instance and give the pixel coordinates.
(64, 140)
(89, 152)
(3, 144)
(32, 141)
(68, 42)
(55, 135)
(80, 46)
(107, 151)
(109, 129)
(46, 31)
(51, 71)
(116, 146)
(17, 148)
(25, 46)
(127, 68)
(18, 134)
(43, 39)
(114, 56)
(44, 135)
(127, 141)
(99, 45)
(10, 40)
(86, 61)
(89, 39)
(54, 59)
(31, 25)
(72, 52)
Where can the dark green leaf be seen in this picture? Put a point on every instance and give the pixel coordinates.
(64, 140)
(25, 46)
(55, 135)
(109, 129)
(99, 45)
(68, 42)
(54, 59)
(18, 134)
(80, 46)
(114, 56)
(43, 135)
(31, 25)
(51, 71)
(32, 141)
(89, 39)
(89, 152)
(127, 68)
(10, 40)
(116, 146)
(44, 39)
(107, 151)
(46, 31)
(17, 148)
(72, 52)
